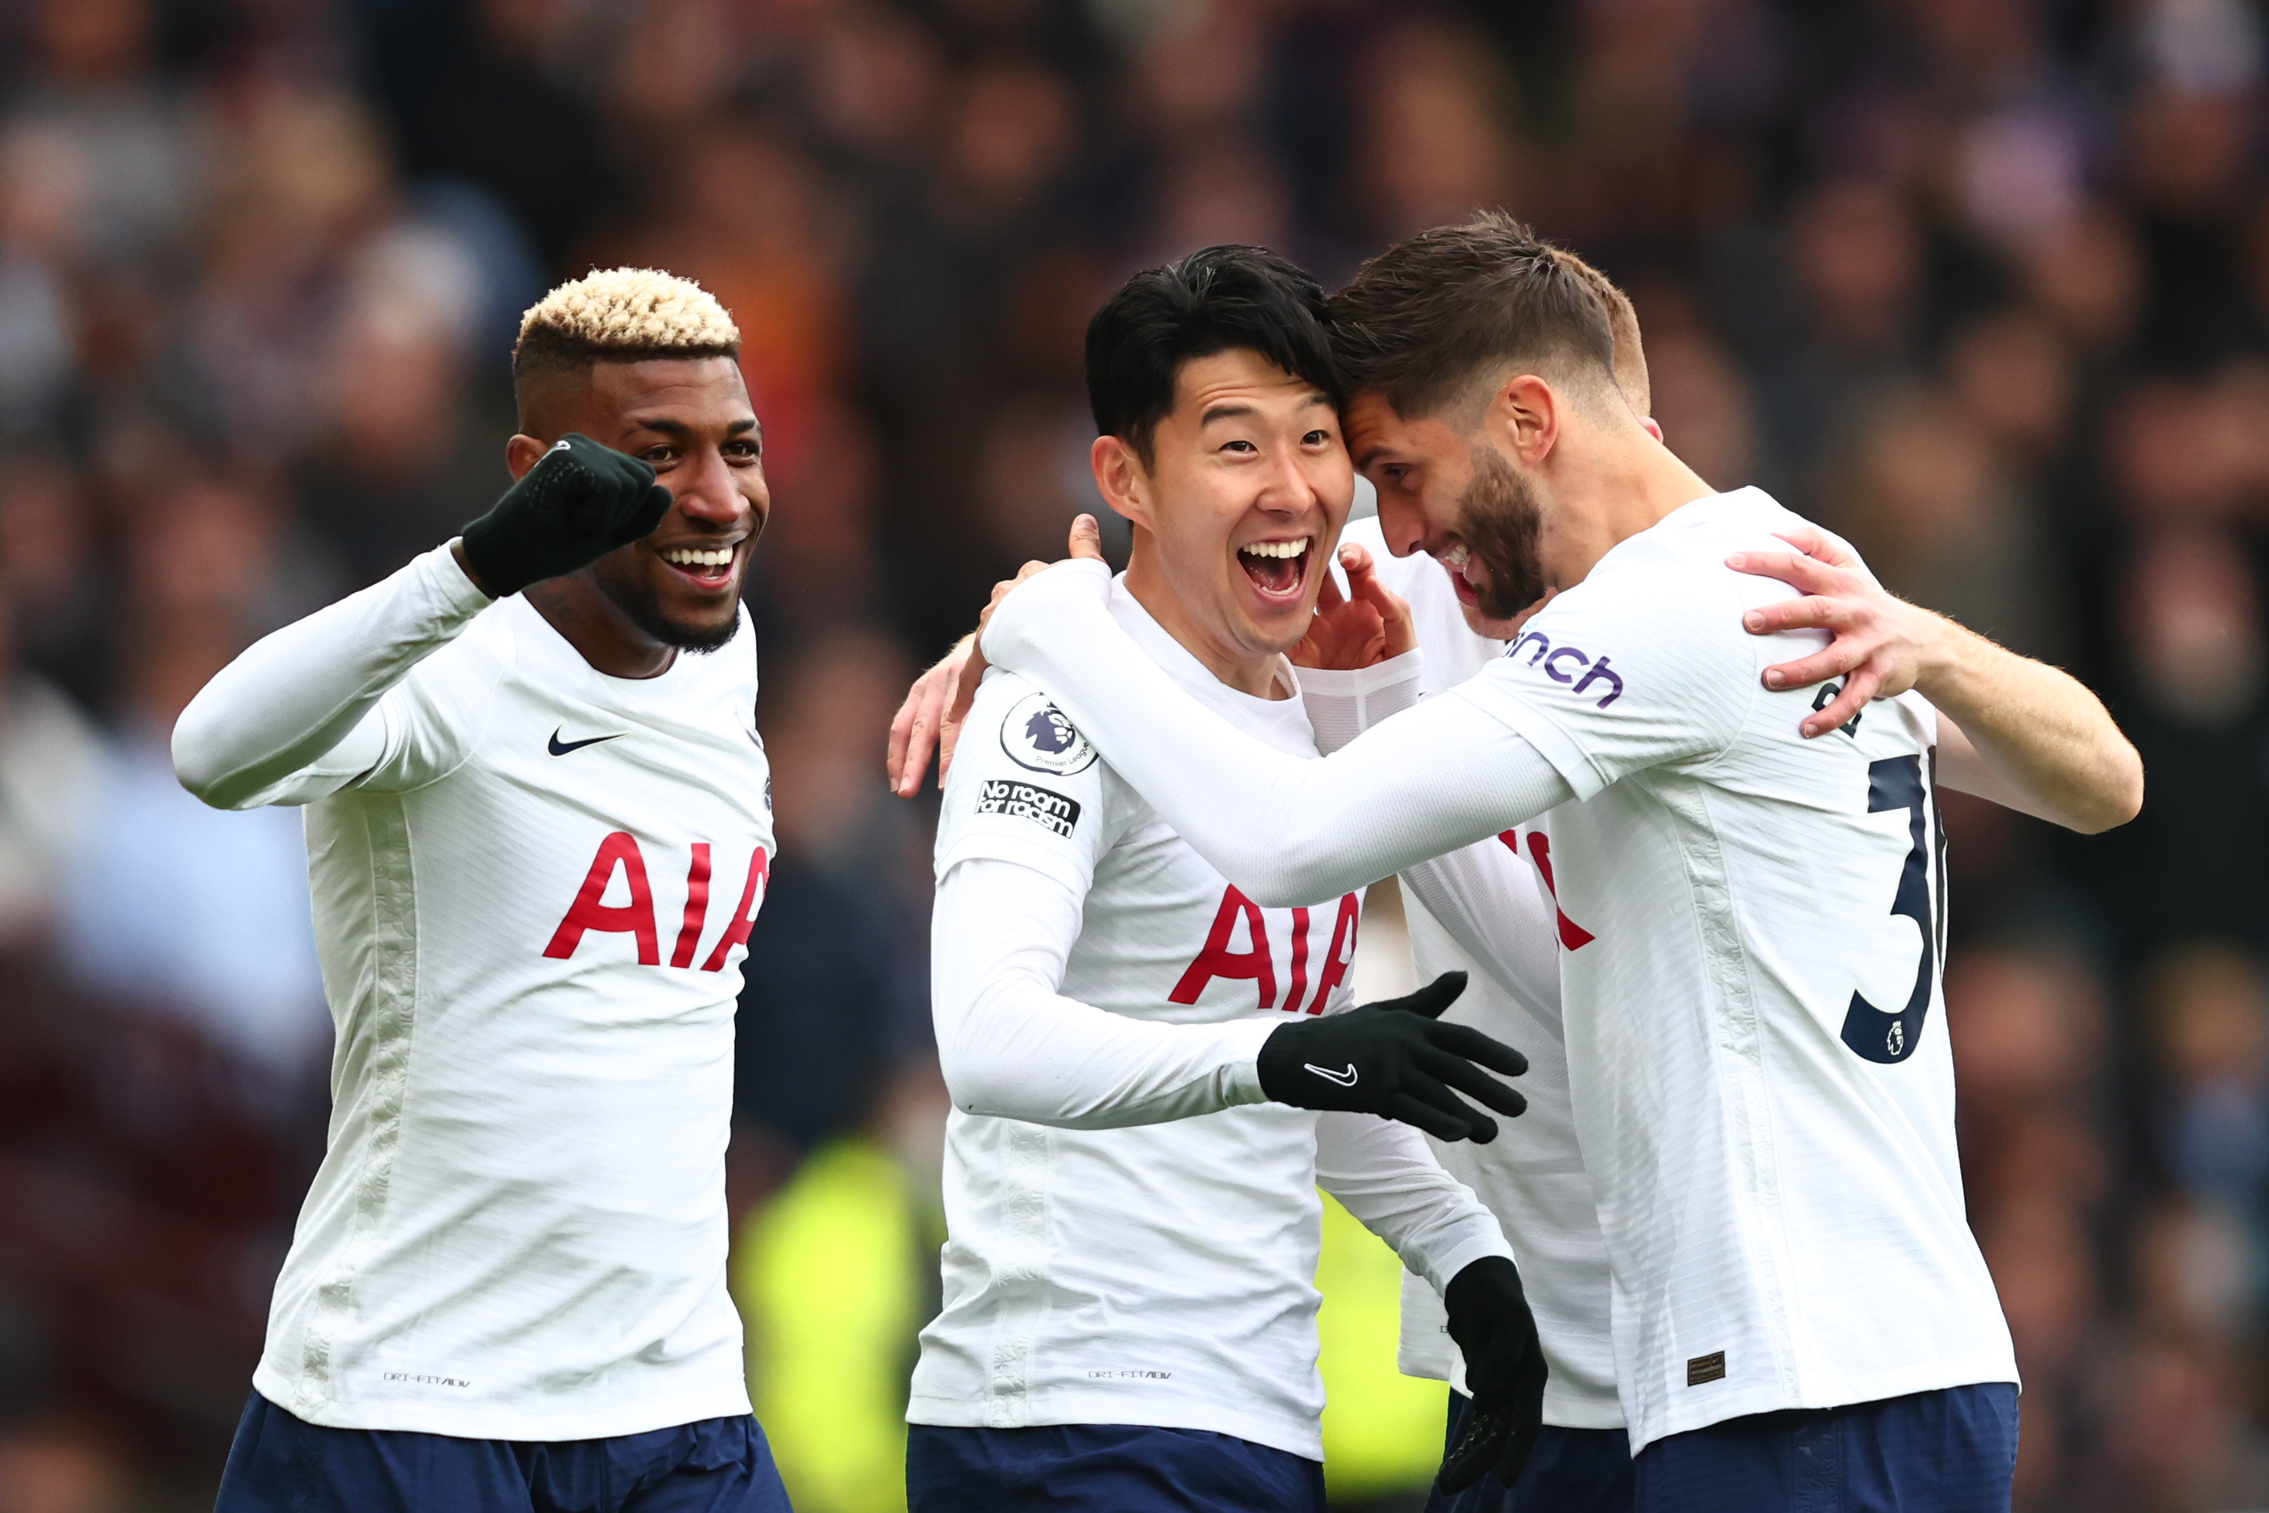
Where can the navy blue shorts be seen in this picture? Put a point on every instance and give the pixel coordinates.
(282, 1464)
(1951, 1451)
(1569, 1471)
(1103, 1468)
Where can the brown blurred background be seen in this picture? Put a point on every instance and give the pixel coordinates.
(1983, 284)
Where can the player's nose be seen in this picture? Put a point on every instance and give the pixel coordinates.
(705, 492)
(1401, 522)
(1288, 489)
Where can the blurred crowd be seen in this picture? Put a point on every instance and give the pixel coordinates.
(1983, 284)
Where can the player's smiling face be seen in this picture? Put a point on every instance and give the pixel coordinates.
(691, 421)
(1446, 494)
(1238, 510)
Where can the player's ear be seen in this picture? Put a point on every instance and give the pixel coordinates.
(1121, 479)
(522, 453)
(1524, 418)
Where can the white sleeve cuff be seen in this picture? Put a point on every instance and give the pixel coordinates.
(1241, 1068)
(453, 587)
(1460, 1246)
(1343, 703)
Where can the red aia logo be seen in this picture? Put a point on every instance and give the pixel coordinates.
(1572, 935)
(1257, 963)
(636, 918)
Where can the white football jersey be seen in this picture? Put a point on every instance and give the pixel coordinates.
(1762, 1084)
(533, 886)
(1532, 1176)
(1159, 1273)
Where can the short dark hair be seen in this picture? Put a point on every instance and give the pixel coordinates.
(1419, 322)
(1216, 300)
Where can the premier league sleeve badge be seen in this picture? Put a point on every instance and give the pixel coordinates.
(1038, 737)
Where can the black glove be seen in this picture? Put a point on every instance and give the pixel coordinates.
(579, 502)
(1392, 1058)
(1504, 1369)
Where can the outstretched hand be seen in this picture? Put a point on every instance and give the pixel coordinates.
(1363, 627)
(1882, 643)
(930, 718)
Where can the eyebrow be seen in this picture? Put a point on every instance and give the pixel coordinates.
(1229, 410)
(678, 428)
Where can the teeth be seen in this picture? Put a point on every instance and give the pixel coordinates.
(1455, 557)
(1277, 548)
(689, 557)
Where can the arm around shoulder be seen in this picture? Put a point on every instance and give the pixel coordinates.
(2029, 736)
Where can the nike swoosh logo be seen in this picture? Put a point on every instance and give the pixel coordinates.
(1344, 1079)
(562, 748)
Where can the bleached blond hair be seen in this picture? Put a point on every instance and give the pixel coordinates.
(622, 315)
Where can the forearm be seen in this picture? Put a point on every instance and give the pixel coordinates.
(1385, 1174)
(1013, 1047)
(295, 694)
(1491, 902)
(1286, 830)
(2030, 736)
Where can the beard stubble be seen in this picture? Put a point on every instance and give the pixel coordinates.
(635, 597)
(1502, 523)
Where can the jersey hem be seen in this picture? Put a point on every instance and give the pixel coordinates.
(1875, 1389)
(1076, 1407)
(640, 1413)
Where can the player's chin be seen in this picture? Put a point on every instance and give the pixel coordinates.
(699, 613)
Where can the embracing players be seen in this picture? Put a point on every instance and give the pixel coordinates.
(1135, 1048)
(1763, 1095)
(538, 825)
(1488, 911)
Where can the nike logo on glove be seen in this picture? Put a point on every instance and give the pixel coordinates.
(1344, 1079)
(562, 748)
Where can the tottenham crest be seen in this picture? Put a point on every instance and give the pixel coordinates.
(1037, 736)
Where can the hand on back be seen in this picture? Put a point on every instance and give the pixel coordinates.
(930, 718)
(1881, 645)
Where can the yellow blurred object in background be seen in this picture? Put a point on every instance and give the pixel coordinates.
(829, 1279)
(1382, 1430)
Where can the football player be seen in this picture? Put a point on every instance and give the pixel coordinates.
(1151, 1072)
(1763, 1096)
(538, 826)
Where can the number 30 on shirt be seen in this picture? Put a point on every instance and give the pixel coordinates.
(1890, 1036)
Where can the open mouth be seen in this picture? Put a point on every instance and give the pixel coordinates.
(1279, 569)
(1467, 576)
(708, 567)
